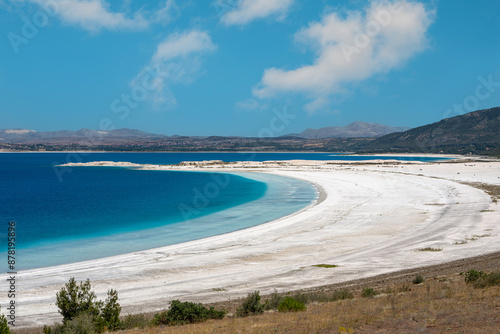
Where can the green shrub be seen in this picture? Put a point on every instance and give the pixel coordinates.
(418, 279)
(74, 300)
(81, 324)
(110, 313)
(4, 327)
(273, 301)
(368, 293)
(488, 280)
(290, 304)
(473, 275)
(186, 313)
(78, 302)
(307, 298)
(251, 305)
(134, 321)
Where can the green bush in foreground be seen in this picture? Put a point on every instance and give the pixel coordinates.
(251, 305)
(473, 275)
(82, 313)
(368, 293)
(4, 327)
(418, 279)
(290, 304)
(487, 280)
(186, 313)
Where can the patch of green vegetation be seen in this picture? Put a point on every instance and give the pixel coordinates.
(368, 293)
(289, 304)
(418, 279)
(472, 275)
(429, 249)
(135, 321)
(4, 327)
(251, 305)
(274, 300)
(182, 313)
(219, 289)
(461, 242)
(82, 313)
(487, 280)
(325, 265)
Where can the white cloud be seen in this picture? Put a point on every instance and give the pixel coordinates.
(95, 15)
(246, 11)
(177, 60)
(166, 13)
(352, 49)
(182, 45)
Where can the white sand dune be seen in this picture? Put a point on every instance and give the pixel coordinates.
(371, 219)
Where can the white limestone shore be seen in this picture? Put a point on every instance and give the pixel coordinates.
(372, 219)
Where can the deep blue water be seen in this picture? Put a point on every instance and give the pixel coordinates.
(71, 214)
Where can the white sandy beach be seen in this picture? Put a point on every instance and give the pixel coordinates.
(371, 219)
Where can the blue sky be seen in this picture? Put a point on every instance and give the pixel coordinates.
(244, 67)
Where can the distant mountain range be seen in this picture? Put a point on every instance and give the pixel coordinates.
(353, 130)
(22, 136)
(478, 131)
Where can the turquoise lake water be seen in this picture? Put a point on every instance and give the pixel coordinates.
(83, 213)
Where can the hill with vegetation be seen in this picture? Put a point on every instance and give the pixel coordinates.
(477, 132)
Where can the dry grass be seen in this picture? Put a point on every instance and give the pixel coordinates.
(491, 189)
(432, 307)
(442, 304)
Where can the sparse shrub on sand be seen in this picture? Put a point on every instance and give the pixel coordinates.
(290, 304)
(323, 265)
(429, 249)
(251, 305)
(418, 279)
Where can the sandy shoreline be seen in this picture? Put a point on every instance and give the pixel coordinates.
(371, 219)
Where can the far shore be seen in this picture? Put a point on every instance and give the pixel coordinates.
(372, 219)
(452, 156)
